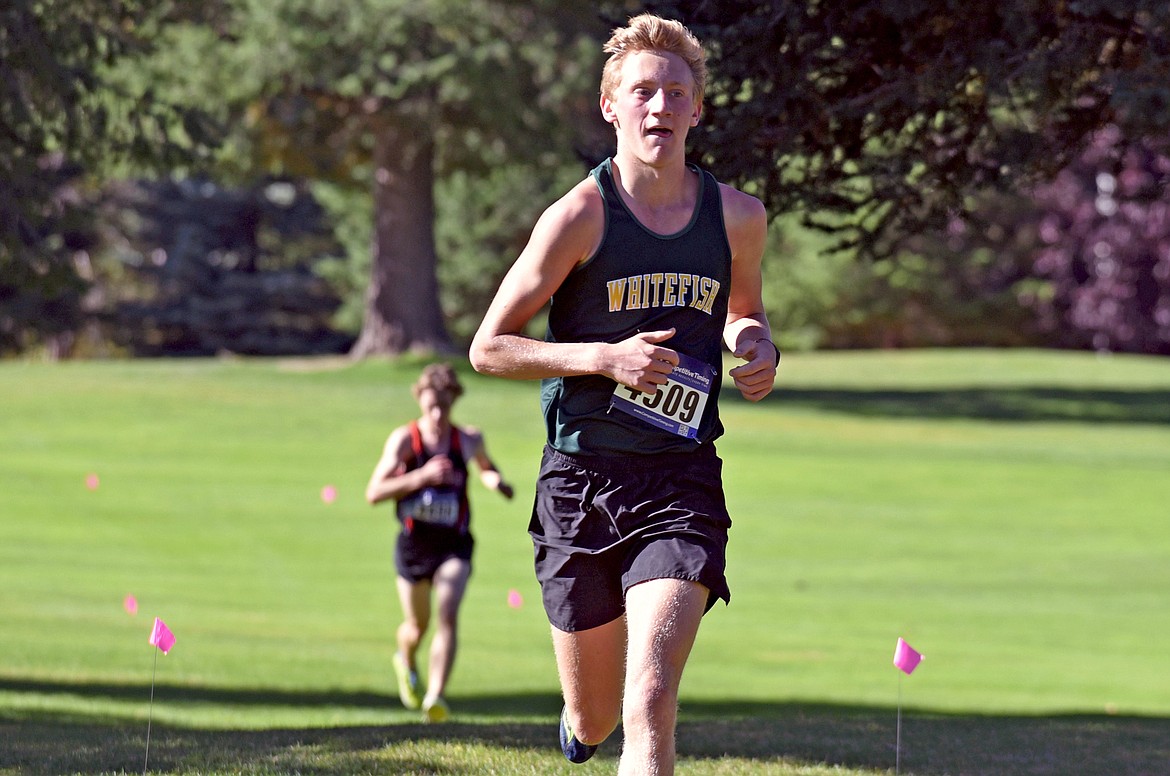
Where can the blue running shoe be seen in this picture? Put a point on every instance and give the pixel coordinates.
(574, 750)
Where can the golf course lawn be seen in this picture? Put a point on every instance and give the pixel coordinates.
(1003, 511)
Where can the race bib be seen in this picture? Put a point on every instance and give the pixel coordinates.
(676, 407)
(432, 506)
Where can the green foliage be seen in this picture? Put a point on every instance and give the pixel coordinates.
(351, 214)
(308, 82)
(875, 121)
(801, 285)
(483, 223)
(190, 268)
(381, 95)
(878, 119)
(65, 114)
(817, 298)
(61, 92)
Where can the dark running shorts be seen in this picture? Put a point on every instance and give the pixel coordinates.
(601, 525)
(419, 554)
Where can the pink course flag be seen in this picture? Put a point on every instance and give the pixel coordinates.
(905, 658)
(161, 636)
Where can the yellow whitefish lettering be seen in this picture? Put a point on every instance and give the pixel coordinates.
(617, 291)
(709, 295)
(668, 298)
(634, 300)
(662, 289)
(685, 282)
(656, 288)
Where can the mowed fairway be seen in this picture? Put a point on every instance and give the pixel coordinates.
(1005, 512)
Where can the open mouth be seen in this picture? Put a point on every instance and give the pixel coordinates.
(660, 131)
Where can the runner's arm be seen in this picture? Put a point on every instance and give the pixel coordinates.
(747, 332)
(391, 480)
(567, 234)
(489, 475)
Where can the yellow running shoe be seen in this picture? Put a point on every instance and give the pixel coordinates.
(407, 683)
(436, 710)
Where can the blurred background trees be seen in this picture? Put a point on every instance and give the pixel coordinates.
(383, 98)
(894, 127)
(66, 120)
(940, 173)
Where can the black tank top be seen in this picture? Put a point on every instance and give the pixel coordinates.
(640, 281)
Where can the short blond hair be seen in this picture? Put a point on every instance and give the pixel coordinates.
(648, 32)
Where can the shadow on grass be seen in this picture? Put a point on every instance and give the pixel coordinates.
(793, 734)
(931, 743)
(232, 696)
(1007, 404)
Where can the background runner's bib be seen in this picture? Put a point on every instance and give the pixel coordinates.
(640, 281)
(442, 507)
(431, 505)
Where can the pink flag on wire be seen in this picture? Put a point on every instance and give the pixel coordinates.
(329, 494)
(161, 636)
(515, 600)
(905, 658)
(130, 604)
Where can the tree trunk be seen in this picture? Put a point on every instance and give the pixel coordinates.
(402, 303)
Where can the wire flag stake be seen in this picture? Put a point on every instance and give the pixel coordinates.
(161, 637)
(906, 659)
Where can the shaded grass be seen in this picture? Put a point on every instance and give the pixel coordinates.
(715, 738)
(1004, 511)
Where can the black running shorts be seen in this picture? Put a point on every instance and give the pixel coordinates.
(602, 524)
(419, 554)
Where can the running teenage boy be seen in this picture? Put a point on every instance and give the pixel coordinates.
(651, 266)
(424, 468)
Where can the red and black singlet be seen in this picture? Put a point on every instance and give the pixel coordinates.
(440, 507)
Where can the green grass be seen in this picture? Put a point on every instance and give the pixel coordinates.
(1003, 511)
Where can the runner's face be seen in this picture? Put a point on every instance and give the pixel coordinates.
(653, 106)
(435, 405)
